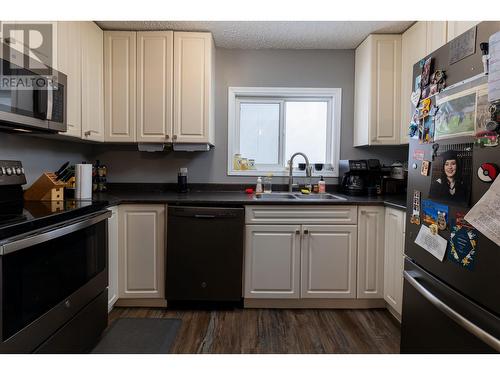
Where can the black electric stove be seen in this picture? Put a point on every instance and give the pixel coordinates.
(18, 216)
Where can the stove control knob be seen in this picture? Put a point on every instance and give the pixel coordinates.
(18, 171)
(8, 171)
(2, 171)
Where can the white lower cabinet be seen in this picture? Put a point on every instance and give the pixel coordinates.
(328, 265)
(285, 259)
(370, 271)
(112, 258)
(272, 261)
(394, 258)
(141, 257)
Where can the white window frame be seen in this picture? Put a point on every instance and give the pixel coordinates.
(278, 95)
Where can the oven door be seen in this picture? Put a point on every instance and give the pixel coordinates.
(49, 276)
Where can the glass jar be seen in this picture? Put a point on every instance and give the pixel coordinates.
(268, 183)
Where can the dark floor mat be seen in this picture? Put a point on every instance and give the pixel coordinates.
(138, 336)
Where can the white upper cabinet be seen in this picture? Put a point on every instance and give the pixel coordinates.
(120, 86)
(455, 28)
(69, 57)
(154, 86)
(420, 40)
(377, 91)
(92, 82)
(435, 35)
(413, 49)
(328, 266)
(193, 88)
(370, 283)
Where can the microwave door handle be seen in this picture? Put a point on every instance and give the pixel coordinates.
(52, 233)
(50, 101)
(452, 314)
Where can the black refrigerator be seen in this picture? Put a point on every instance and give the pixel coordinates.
(450, 306)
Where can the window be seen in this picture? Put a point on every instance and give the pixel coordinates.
(266, 126)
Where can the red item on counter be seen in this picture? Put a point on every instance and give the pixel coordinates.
(249, 191)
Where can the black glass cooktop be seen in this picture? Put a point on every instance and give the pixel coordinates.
(23, 217)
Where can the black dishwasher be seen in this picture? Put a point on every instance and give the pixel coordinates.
(204, 254)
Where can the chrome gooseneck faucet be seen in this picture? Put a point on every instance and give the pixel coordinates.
(290, 173)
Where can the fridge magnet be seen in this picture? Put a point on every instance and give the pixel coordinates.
(426, 130)
(414, 165)
(435, 148)
(487, 121)
(431, 211)
(418, 154)
(426, 72)
(426, 92)
(435, 245)
(442, 222)
(418, 80)
(463, 245)
(415, 217)
(487, 172)
(452, 174)
(413, 128)
(425, 108)
(434, 229)
(415, 96)
(433, 110)
(424, 170)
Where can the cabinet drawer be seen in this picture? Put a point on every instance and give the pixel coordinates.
(301, 214)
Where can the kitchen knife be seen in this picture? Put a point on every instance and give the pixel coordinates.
(63, 167)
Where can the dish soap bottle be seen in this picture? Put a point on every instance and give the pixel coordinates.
(258, 187)
(321, 185)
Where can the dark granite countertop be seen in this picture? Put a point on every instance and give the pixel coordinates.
(148, 194)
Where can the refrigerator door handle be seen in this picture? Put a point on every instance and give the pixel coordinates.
(455, 316)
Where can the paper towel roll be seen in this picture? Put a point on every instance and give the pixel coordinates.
(83, 177)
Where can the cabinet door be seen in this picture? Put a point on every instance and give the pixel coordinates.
(112, 257)
(394, 258)
(328, 266)
(386, 90)
(370, 272)
(142, 251)
(413, 49)
(272, 261)
(119, 86)
(436, 35)
(455, 28)
(69, 52)
(154, 86)
(92, 82)
(193, 112)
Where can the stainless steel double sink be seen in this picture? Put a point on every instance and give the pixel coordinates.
(280, 196)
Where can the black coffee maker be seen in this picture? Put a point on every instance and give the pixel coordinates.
(360, 177)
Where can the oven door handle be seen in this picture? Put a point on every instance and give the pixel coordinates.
(51, 233)
(452, 314)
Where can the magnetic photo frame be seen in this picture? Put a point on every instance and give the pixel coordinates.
(451, 178)
(460, 109)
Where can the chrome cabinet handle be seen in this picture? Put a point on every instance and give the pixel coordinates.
(452, 314)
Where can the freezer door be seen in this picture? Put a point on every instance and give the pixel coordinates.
(436, 319)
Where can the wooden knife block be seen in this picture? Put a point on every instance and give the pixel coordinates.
(46, 188)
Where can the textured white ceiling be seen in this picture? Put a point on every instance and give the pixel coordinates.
(274, 34)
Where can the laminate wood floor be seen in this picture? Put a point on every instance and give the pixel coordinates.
(277, 331)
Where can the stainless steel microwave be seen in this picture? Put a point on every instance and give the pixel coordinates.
(33, 107)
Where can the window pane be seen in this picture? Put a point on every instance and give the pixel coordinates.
(259, 132)
(305, 127)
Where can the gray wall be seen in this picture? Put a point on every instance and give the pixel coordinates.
(39, 155)
(291, 68)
